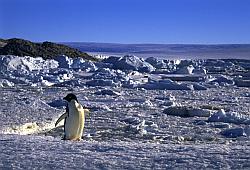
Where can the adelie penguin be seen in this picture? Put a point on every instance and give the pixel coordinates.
(74, 118)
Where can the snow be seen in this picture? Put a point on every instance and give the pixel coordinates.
(230, 117)
(223, 80)
(242, 83)
(165, 84)
(24, 64)
(6, 83)
(107, 92)
(64, 61)
(102, 82)
(185, 70)
(129, 62)
(158, 64)
(33, 151)
(187, 111)
(233, 133)
(142, 115)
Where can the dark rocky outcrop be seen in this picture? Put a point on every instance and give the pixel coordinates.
(46, 50)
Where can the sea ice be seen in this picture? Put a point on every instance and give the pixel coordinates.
(158, 64)
(25, 64)
(184, 111)
(185, 70)
(107, 92)
(129, 62)
(58, 103)
(130, 116)
(64, 61)
(165, 84)
(242, 83)
(222, 80)
(6, 83)
(229, 117)
(233, 133)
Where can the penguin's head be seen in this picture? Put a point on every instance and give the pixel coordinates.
(70, 97)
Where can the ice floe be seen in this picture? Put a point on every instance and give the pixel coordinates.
(184, 111)
(6, 83)
(185, 70)
(64, 61)
(229, 117)
(234, 132)
(222, 80)
(158, 64)
(107, 92)
(25, 64)
(128, 71)
(129, 62)
(103, 82)
(165, 84)
(76, 63)
(156, 116)
(242, 83)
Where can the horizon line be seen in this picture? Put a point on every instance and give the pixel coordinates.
(119, 43)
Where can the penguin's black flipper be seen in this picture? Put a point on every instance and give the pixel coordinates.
(63, 116)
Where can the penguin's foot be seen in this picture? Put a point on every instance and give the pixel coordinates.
(78, 139)
(74, 139)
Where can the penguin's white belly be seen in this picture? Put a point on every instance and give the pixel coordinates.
(74, 122)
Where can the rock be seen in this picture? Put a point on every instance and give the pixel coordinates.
(47, 50)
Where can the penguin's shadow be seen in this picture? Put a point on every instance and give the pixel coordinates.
(55, 132)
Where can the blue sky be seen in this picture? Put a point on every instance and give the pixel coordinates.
(127, 21)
